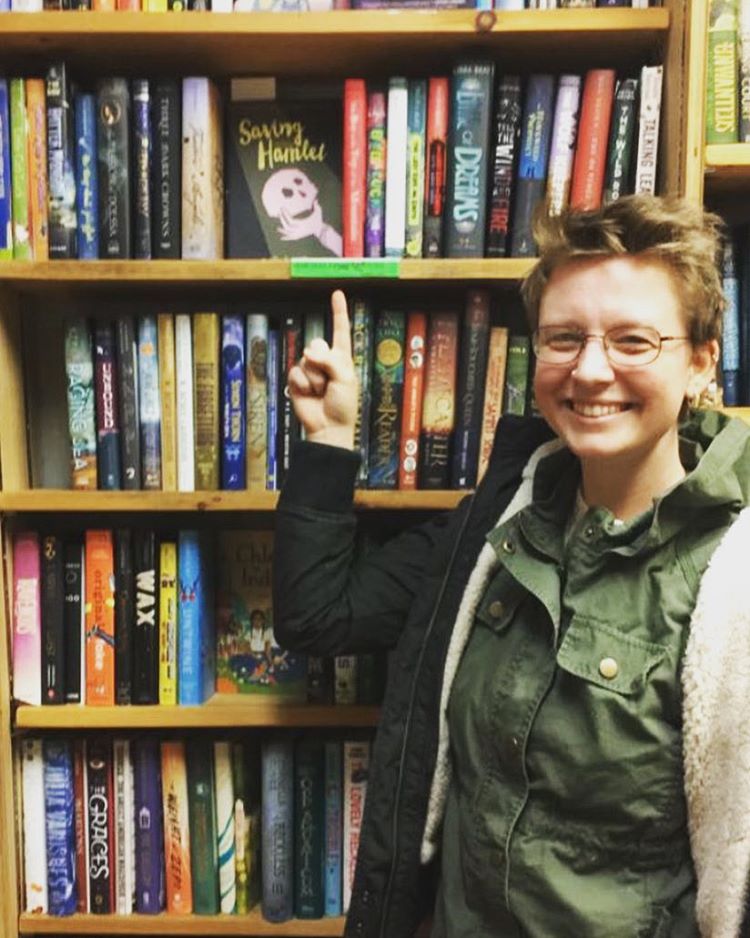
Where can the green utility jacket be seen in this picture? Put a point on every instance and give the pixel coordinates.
(565, 816)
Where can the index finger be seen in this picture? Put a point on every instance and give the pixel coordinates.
(341, 338)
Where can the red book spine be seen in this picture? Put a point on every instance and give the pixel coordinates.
(593, 135)
(355, 166)
(123, 5)
(436, 163)
(411, 419)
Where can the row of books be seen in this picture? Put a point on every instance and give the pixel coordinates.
(728, 72)
(127, 616)
(417, 167)
(735, 333)
(280, 6)
(192, 826)
(184, 403)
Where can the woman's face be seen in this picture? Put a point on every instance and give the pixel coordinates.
(605, 411)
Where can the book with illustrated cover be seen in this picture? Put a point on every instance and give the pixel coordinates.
(284, 166)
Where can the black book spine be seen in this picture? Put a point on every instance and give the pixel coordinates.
(617, 180)
(142, 248)
(113, 146)
(145, 631)
(127, 373)
(107, 410)
(166, 168)
(507, 129)
(124, 615)
(99, 825)
(73, 612)
(53, 636)
(289, 431)
(61, 165)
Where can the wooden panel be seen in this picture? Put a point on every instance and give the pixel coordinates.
(14, 471)
(252, 924)
(694, 81)
(9, 881)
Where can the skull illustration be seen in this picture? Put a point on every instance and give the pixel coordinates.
(291, 192)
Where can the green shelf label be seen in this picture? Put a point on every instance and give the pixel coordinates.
(337, 268)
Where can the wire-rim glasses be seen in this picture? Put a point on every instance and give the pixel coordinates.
(624, 346)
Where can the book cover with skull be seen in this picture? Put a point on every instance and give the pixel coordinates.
(284, 179)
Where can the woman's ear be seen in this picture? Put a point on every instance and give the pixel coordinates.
(702, 367)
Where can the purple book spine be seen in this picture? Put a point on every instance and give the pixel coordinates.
(149, 843)
(376, 155)
(233, 403)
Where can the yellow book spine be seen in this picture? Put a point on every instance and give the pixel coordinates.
(168, 623)
(155, 6)
(206, 400)
(168, 394)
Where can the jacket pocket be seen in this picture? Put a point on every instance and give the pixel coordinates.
(607, 657)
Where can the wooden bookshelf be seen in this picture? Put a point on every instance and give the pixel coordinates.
(222, 711)
(251, 924)
(727, 168)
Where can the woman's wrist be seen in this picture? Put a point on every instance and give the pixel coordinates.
(333, 436)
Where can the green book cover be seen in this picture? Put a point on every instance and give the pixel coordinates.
(204, 860)
(517, 376)
(617, 177)
(19, 158)
(722, 104)
(386, 393)
(309, 826)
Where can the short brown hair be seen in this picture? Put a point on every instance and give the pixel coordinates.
(669, 230)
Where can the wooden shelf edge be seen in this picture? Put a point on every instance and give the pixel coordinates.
(167, 924)
(723, 156)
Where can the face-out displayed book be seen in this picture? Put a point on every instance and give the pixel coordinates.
(283, 172)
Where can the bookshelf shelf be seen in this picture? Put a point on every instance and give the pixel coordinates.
(66, 500)
(727, 167)
(344, 41)
(221, 711)
(164, 924)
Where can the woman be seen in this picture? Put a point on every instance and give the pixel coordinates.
(560, 638)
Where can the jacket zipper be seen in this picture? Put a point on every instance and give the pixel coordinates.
(409, 713)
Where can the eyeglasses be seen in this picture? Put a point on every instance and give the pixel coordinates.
(624, 346)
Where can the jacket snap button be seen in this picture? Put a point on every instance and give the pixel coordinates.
(359, 927)
(508, 546)
(590, 531)
(608, 668)
(496, 609)
(365, 897)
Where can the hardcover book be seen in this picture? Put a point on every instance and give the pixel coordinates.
(6, 183)
(58, 809)
(53, 636)
(107, 407)
(204, 858)
(127, 373)
(174, 784)
(277, 865)
(224, 789)
(149, 829)
(256, 433)
(411, 417)
(387, 390)
(124, 615)
(79, 368)
(356, 759)
(362, 355)
(146, 629)
(722, 99)
(19, 164)
(333, 781)
(115, 173)
(166, 130)
(415, 163)
(60, 166)
(648, 129)
(183, 337)
(470, 389)
(309, 828)
(142, 168)
(27, 619)
(517, 375)
(202, 171)
(206, 400)
(563, 145)
(87, 177)
(617, 179)
(36, 109)
(73, 618)
(100, 826)
(375, 182)
(439, 404)
(397, 137)
(196, 648)
(354, 166)
(587, 183)
(100, 618)
(436, 164)
(168, 401)
(233, 411)
(34, 826)
(149, 404)
(504, 149)
(124, 826)
(167, 623)
(494, 385)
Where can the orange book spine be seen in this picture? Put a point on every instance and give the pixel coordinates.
(590, 161)
(355, 166)
(179, 883)
(123, 5)
(411, 415)
(436, 164)
(36, 112)
(100, 618)
(439, 402)
(497, 359)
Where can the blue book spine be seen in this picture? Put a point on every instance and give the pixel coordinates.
(4, 6)
(191, 620)
(272, 372)
(333, 827)
(730, 333)
(58, 808)
(149, 842)
(277, 829)
(233, 391)
(107, 409)
(149, 406)
(142, 169)
(6, 207)
(87, 182)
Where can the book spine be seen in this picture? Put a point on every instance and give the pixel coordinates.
(202, 821)
(730, 331)
(206, 392)
(355, 166)
(115, 173)
(87, 177)
(179, 883)
(289, 429)
(472, 370)
(517, 376)
(256, 432)
(167, 623)
(333, 832)
(744, 79)
(620, 149)
(345, 680)
(107, 407)
(142, 169)
(274, 353)
(36, 109)
(148, 402)
(34, 827)
(60, 165)
(100, 826)
(436, 165)
(376, 167)
(81, 823)
(52, 595)
(415, 163)
(356, 760)
(6, 182)
(309, 828)
(225, 837)
(189, 674)
(166, 168)
(234, 413)
(72, 617)
(58, 809)
(468, 158)
(19, 165)
(494, 385)
(362, 351)
(563, 144)
(722, 73)
(202, 160)
(587, 184)
(648, 129)
(387, 391)
(277, 865)
(145, 629)
(79, 368)
(395, 173)
(27, 618)
(168, 401)
(124, 615)
(536, 131)
(149, 842)
(127, 372)
(411, 416)
(504, 148)
(124, 826)
(241, 828)
(184, 403)
(100, 618)
(439, 405)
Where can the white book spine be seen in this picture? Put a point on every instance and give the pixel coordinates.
(202, 171)
(356, 768)
(648, 129)
(184, 383)
(34, 832)
(563, 146)
(26, 6)
(221, 6)
(225, 826)
(395, 170)
(124, 827)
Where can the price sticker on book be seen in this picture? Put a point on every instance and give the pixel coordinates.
(325, 268)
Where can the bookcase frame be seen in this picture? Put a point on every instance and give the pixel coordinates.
(336, 43)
